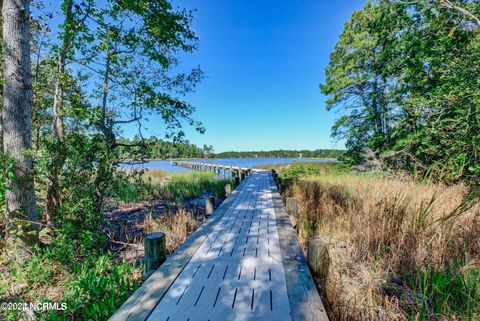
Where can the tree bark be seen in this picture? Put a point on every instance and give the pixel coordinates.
(58, 130)
(21, 211)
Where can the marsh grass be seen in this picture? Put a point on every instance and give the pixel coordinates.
(129, 186)
(425, 234)
(155, 176)
(176, 226)
(184, 186)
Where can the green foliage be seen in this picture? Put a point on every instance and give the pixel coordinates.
(299, 169)
(450, 291)
(129, 188)
(94, 284)
(126, 55)
(99, 287)
(404, 73)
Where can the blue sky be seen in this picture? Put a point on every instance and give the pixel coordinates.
(264, 61)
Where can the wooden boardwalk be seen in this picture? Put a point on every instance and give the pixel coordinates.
(244, 263)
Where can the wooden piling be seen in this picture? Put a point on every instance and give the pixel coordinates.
(318, 258)
(209, 205)
(155, 252)
(228, 189)
(292, 206)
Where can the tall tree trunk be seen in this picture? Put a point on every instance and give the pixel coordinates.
(58, 131)
(21, 211)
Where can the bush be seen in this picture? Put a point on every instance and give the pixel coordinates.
(297, 170)
(128, 188)
(98, 287)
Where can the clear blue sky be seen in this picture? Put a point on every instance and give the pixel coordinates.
(264, 61)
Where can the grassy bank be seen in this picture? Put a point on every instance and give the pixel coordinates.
(399, 250)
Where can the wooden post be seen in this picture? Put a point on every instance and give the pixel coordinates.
(230, 172)
(155, 252)
(242, 175)
(209, 205)
(228, 189)
(275, 176)
(318, 258)
(292, 207)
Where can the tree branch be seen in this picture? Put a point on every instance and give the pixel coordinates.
(449, 5)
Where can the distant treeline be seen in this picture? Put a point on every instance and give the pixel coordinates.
(155, 148)
(318, 153)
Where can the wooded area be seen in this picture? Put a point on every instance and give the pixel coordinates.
(66, 94)
(404, 77)
(71, 83)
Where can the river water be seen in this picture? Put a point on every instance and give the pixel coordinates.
(243, 162)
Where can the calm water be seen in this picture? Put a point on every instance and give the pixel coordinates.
(243, 162)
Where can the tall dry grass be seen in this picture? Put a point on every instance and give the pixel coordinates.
(177, 227)
(155, 176)
(381, 229)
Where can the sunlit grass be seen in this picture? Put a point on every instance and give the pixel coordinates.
(155, 176)
(379, 228)
(183, 186)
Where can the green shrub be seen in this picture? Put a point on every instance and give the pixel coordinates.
(97, 289)
(299, 169)
(127, 188)
(38, 270)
